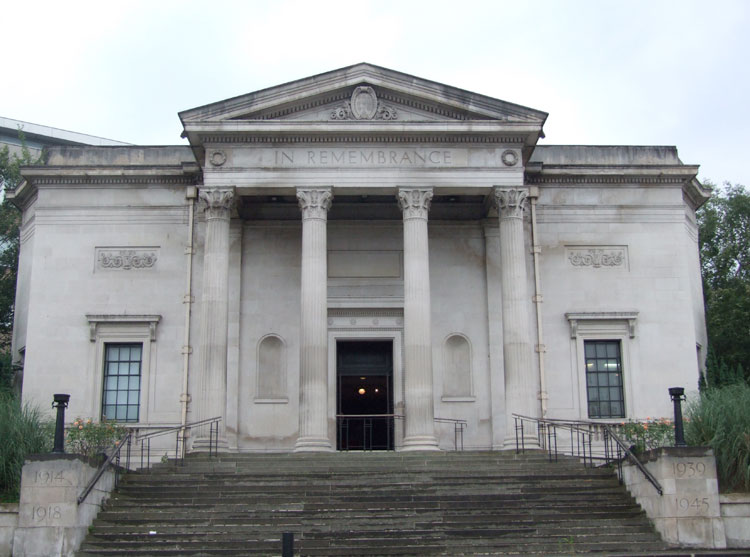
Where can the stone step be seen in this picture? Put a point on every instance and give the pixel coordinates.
(371, 504)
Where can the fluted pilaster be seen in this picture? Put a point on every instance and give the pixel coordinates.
(313, 401)
(418, 389)
(521, 382)
(212, 384)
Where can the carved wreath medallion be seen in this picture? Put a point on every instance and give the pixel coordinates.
(509, 157)
(218, 158)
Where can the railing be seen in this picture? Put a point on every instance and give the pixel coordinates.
(114, 456)
(589, 441)
(180, 432)
(145, 445)
(355, 431)
(458, 431)
(373, 432)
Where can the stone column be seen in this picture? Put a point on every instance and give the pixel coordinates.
(418, 395)
(521, 381)
(313, 383)
(212, 370)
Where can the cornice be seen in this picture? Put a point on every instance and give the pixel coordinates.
(347, 127)
(405, 139)
(683, 175)
(610, 173)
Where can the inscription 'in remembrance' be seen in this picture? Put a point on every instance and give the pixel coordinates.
(360, 157)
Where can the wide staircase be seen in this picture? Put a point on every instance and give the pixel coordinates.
(463, 503)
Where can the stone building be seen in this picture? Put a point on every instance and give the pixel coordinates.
(360, 242)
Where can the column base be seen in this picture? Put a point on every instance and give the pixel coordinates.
(529, 443)
(420, 443)
(313, 445)
(203, 445)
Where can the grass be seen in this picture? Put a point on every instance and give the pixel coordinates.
(23, 430)
(720, 419)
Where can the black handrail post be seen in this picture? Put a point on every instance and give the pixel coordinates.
(287, 544)
(127, 462)
(60, 401)
(554, 437)
(678, 395)
(515, 426)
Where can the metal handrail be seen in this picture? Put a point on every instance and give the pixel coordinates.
(180, 439)
(132, 434)
(126, 439)
(169, 429)
(547, 434)
(458, 430)
(629, 454)
(458, 425)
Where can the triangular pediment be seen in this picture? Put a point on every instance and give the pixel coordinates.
(362, 93)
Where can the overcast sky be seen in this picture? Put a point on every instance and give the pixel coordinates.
(628, 72)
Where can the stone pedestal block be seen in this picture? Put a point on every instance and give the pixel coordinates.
(735, 513)
(50, 520)
(688, 513)
(8, 525)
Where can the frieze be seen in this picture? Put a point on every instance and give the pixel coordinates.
(355, 138)
(596, 257)
(126, 259)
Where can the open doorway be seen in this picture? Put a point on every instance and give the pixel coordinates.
(364, 395)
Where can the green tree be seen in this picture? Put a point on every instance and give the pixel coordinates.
(724, 239)
(10, 220)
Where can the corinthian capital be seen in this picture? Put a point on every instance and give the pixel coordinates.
(217, 202)
(510, 202)
(314, 202)
(415, 202)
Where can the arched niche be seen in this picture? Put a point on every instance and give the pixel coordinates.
(457, 371)
(272, 386)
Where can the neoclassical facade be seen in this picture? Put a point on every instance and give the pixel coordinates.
(353, 260)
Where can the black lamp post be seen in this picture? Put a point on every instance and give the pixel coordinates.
(61, 403)
(678, 395)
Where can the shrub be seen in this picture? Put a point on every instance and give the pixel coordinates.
(720, 418)
(23, 431)
(650, 434)
(89, 438)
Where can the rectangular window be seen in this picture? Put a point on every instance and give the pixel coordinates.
(604, 378)
(121, 397)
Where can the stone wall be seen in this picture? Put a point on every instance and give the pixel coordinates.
(735, 513)
(8, 524)
(50, 520)
(688, 513)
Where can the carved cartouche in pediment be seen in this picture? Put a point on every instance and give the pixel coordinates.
(364, 105)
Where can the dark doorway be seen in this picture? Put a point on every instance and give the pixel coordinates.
(364, 405)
